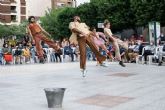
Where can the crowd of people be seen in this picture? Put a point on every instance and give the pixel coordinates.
(19, 52)
(105, 43)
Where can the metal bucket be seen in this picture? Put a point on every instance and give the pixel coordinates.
(54, 97)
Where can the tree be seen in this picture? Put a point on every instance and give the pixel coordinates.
(18, 30)
(3, 31)
(51, 23)
(123, 14)
(146, 11)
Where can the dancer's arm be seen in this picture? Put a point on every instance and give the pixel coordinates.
(30, 33)
(43, 30)
(102, 36)
(73, 28)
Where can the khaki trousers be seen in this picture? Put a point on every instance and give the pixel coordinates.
(82, 41)
(116, 43)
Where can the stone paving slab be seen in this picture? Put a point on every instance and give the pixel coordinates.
(136, 87)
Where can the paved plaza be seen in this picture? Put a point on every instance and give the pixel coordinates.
(136, 87)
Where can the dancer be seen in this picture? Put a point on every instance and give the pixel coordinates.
(81, 33)
(38, 34)
(115, 41)
(100, 41)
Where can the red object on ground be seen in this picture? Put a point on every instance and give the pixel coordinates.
(8, 57)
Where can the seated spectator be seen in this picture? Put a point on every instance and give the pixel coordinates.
(68, 50)
(33, 54)
(77, 52)
(73, 52)
(132, 52)
(6, 49)
(18, 55)
(1, 56)
(58, 52)
(148, 50)
(161, 39)
(12, 42)
(64, 42)
(26, 39)
(111, 49)
(52, 55)
(137, 50)
(26, 54)
(8, 58)
(45, 54)
(161, 54)
(89, 53)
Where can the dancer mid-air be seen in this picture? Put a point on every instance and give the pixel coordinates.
(82, 34)
(115, 42)
(38, 34)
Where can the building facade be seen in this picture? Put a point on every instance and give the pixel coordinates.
(15, 11)
(12, 11)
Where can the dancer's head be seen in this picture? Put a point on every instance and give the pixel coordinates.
(77, 19)
(107, 24)
(31, 19)
(93, 29)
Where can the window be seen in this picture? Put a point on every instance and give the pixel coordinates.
(13, 9)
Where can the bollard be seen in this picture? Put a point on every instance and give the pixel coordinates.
(54, 97)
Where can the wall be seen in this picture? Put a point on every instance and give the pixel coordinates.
(37, 7)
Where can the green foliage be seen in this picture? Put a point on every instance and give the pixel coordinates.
(122, 14)
(56, 22)
(18, 30)
(3, 31)
(146, 11)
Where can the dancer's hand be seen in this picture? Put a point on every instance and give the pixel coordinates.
(83, 35)
(33, 41)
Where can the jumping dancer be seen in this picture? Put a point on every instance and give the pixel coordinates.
(99, 40)
(115, 42)
(81, 33)
(38, 34)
